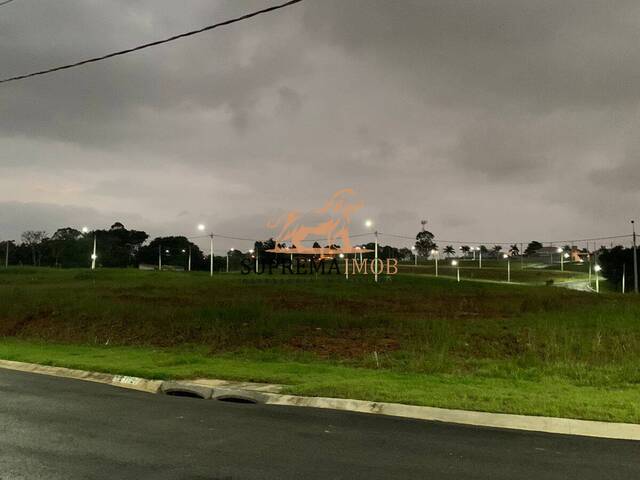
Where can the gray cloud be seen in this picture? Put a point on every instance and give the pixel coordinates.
(465, 113)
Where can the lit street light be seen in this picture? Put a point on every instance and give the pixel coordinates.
(597, 269)
(435, 254)
(562, 256)
(479, 257)
(508, 259)
(202, 227)
(94, 255)
(415, 255)
(454, 263)
(369, 224)
(256, 256)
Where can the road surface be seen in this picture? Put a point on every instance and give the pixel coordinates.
(53, 428)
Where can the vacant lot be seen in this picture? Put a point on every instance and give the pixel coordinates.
(414, 338)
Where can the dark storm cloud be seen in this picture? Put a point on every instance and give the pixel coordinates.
(462, 112)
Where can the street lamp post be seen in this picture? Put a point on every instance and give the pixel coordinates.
(202, 227)
(189, 263)
(560, 251)
(94, 255)
(508, 259)
(6, 254)
(597, 269)
(232, 249)
(454, 263)
(251, 253)
(635, 259)
(415, 255)
(479, 257)
(369, 224)
(435, 254)
(211, 255)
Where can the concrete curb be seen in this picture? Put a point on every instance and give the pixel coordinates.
(261, 393)
(565, 426)
(123, 381)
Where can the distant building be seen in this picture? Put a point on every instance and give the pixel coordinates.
(551, 255)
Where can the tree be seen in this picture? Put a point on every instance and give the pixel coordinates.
(67, 248)
(614, 262)
(118, 247)
(174, 251)
(484, 249)
(465, 249)
(33, 239)
(449, 250)
(425, 243)
(532, 247)
(404, 254)
(514, 250)
(496, 250)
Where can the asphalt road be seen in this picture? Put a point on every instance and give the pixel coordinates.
(53, 428)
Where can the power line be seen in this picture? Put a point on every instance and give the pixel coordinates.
(151, 44)
(407, 237)
(5, 2)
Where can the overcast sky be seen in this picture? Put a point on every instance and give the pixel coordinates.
(494, 120)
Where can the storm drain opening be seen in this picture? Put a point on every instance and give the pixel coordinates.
(184, 393)
(236, 399)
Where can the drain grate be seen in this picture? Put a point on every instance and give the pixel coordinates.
(235, 399)
(184, 393)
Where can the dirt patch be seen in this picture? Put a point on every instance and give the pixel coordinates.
(346, 344)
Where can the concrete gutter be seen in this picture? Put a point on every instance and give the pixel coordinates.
(133, 383)
(268, 394)
(566, 426)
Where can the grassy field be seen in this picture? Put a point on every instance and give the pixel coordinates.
(414, 339)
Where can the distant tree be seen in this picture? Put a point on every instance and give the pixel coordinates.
(118, 247)
(425, 243)
(449, 250)
(615, 262)
(261, 248)
(174, 251)
(384, 251)
(465, 250)
(66, 248)
(532, 247)
(33, 239)
(316, 245)
(514, 250)
(484, 249)
(404, 254)
(496, 250)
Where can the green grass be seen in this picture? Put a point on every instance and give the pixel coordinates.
(484, 346)
(532, 393)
